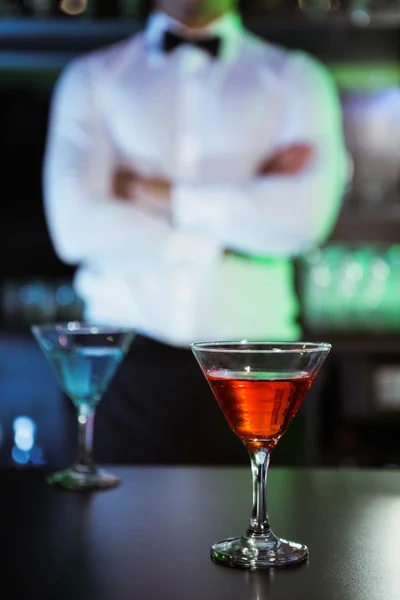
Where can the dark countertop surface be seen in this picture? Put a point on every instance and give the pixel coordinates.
(150, 539)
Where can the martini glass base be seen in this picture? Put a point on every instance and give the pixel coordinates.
(258, 552)
(74, 480)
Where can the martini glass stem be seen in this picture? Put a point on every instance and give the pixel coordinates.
(259, 457)
(84, 461)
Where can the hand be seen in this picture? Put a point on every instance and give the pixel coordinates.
(129, 185)
(157, 188)
(290, 161)
(122, 184)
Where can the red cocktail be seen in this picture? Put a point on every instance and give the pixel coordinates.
(259, 387)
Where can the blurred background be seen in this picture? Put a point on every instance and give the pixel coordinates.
(349, 290)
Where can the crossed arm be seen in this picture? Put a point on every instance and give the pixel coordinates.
(128, 185)
(292, 201)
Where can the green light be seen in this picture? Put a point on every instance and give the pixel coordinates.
(365, 77)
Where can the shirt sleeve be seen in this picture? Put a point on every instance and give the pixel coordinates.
(280, 215)
(86, 223)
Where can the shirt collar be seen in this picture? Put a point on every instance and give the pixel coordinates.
(228, 27)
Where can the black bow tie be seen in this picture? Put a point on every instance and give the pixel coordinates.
(212, 45)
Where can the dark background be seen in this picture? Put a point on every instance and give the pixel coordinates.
(352, 416)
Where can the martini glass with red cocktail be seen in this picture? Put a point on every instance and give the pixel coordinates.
(259, 387)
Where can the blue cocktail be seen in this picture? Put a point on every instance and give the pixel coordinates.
(84, 359)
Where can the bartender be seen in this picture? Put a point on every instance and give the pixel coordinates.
(185, 167)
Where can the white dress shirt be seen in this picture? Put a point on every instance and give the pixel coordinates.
(206, 124)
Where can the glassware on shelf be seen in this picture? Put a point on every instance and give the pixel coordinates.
(351, 289)
(38, 301)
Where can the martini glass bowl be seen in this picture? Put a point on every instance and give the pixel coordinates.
(259, 387)
(84, 359)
